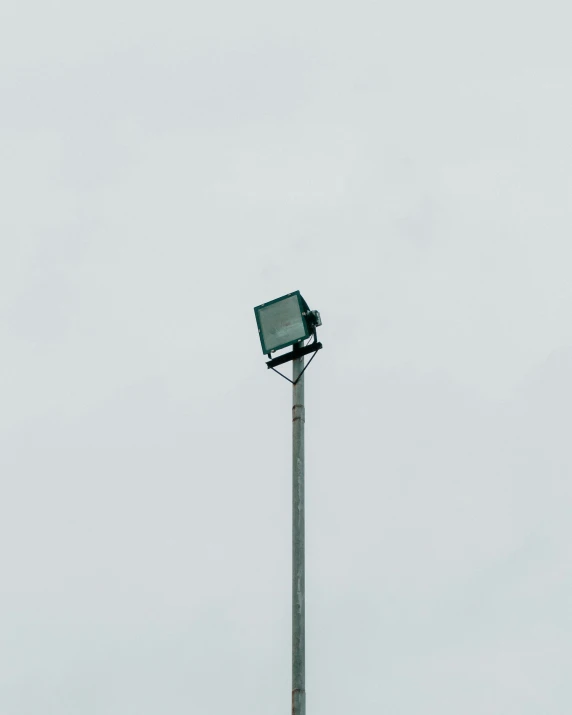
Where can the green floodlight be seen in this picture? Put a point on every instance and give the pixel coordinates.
(283, 322)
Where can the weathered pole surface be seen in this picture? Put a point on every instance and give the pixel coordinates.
(298, 565)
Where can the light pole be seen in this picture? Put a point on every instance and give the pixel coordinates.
(298, 551)
(283, 322)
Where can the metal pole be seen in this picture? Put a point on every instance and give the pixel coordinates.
(298, 574)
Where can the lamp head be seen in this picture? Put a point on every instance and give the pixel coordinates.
(285, 321)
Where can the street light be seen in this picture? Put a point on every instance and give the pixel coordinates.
(283, 322)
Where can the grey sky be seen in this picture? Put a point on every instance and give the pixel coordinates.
(163, 169)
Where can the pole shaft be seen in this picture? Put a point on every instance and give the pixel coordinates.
(298, 570)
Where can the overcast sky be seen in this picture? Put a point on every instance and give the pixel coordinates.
(163, 169)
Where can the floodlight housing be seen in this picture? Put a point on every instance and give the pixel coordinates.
(283, 322)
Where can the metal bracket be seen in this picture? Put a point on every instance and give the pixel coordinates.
(313, 348)
(293, 354)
